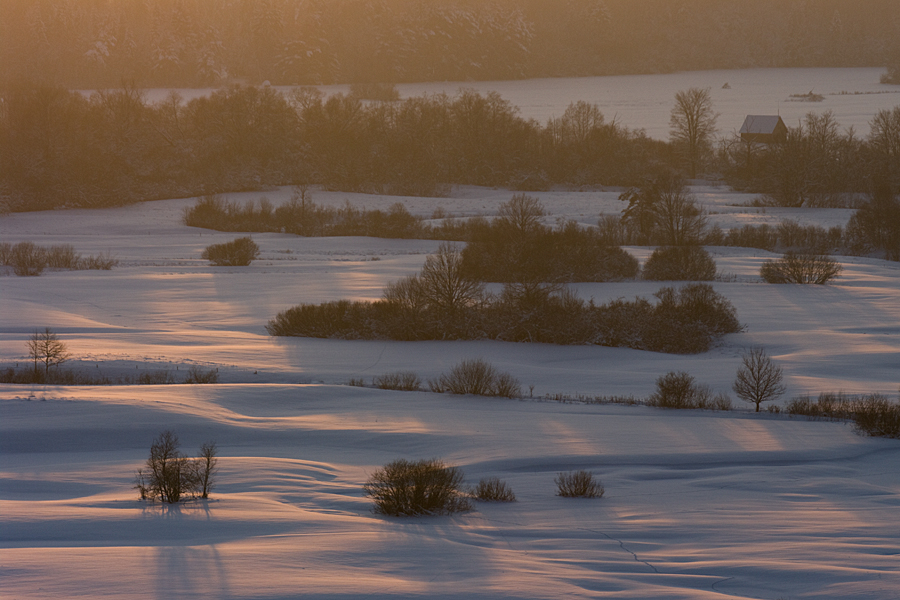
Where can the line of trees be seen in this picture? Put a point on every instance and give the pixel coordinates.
(190, 43)
(60, 148)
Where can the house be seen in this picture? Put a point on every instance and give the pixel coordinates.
(764, 129)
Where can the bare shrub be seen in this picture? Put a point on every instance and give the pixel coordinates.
(100, 262)
(62, 257)
(169, 475)
(27, 259)
(198, 375)
(411, 488)
(677, 390)
(875, 415)
(800, 268)
(236, 253)
(758, 379)
(493, 489)
(404, 381)
(46, 347)
(684, 263)
(578, 484)
(478, 377)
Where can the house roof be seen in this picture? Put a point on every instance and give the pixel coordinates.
(761, 124)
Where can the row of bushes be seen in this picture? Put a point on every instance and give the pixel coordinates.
(431, 487)
(474, 376)
(686, 320)
(872, 414)
(58, 376)
(28, 259)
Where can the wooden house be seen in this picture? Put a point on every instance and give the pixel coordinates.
(763, 129)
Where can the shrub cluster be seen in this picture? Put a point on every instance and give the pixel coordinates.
(872, 414)
(680, 263)
(413, 488)
(493, 489)
(403, 381)
(680, 390)
(236, 253)
(170, 476)
(518, 248)
(578, 484)
(28, 259)
(687, 320)
(476, 377)
(800, 268)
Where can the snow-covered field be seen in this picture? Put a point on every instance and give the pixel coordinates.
(698, 504)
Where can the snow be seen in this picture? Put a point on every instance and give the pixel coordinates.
(698, 505)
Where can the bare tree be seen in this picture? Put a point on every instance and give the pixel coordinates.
(444, 285)
(758, 379)
(523, 213)
(207, 466)
(46, 347)
(692, 124)
(169, 472)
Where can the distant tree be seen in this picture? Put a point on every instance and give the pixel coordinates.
(692, 125)
(876, 224)
(758, 379)
(444, 285)
(46, 347)
(664, 212)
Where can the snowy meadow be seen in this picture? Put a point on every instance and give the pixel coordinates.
(698, 504)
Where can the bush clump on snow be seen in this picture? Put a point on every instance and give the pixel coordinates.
(442, 303)
(678, 389)
(28, 259)
(477, 377)
(413, 488)
(680, 263)
(403, 381)
(236, 253)
(578, 484)
(493, 489)
(171, 476)
(796, 267)
(872, 414)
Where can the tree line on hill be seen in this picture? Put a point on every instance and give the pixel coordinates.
(61, 148)
(191, 43)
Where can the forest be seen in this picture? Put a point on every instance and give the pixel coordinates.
(60, 148)
(191, 43)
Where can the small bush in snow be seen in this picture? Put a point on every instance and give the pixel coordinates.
(677, 390)
(236, 253)
(800, 268)
(412, 488)
(493, 489)
(403, 381)
(478, 377)
(578, 484)
(198, 375)
(680, 263)
(27, 259)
